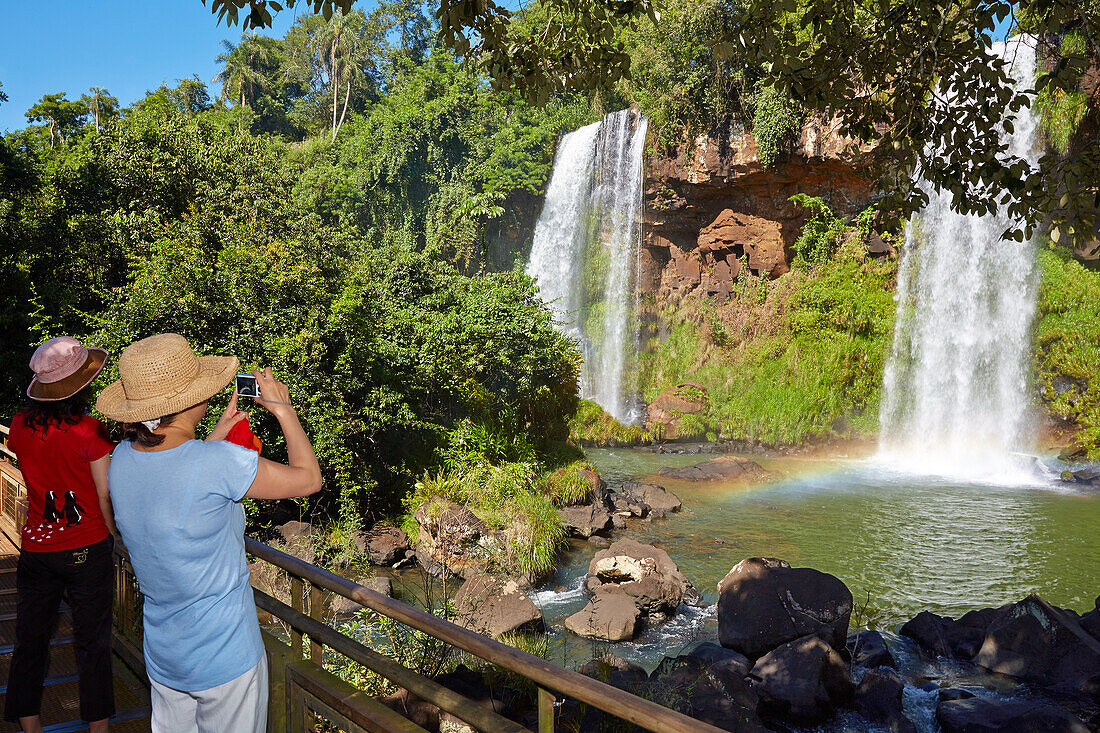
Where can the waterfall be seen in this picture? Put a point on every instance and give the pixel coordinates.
(955, 386)
(585, 253)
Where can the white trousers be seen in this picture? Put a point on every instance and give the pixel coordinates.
(239, 706)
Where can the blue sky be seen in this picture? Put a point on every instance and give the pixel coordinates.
(127, 46)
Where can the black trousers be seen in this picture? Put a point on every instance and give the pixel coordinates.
(85, 577)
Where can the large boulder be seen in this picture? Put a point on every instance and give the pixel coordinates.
(707, 692)
(626, 505)
(724, 468)
(984, 715)
(609, 616)
(1038, 643)
(493, 606)
(383, 545)
(946, 637)
(1088, 478)
(585, 521)
(664, 414)
(879, 700)
(764, 602)
(803, 681)
(644, 573)
(657, 500)
(452, 539)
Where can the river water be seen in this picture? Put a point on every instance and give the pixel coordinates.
(902, 543)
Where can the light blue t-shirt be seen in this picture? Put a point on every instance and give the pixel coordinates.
(179, 513)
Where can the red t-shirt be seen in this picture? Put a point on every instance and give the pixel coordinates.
(63, 506)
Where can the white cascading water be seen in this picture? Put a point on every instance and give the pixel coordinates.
(955, 386)
(591, 225)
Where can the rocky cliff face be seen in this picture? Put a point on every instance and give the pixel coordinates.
(713, 208)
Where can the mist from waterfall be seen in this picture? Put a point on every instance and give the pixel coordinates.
(585, 252)
(955, 396)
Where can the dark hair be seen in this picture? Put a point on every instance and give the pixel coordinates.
(39, 415)
(136, 432)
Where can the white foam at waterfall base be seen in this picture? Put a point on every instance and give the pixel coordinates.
(591, 225)
(955, 398)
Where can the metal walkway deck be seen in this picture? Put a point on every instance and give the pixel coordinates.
(60, 709)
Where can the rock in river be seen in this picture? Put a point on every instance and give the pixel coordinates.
(983, 715)
(610, 615)
(764, 602)
(585, 521)
(645, 574)
(656, 499)
(383, 545)
(725, 468)
(803, 681)
(493, 606)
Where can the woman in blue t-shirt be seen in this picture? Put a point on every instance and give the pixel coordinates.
(177, 508)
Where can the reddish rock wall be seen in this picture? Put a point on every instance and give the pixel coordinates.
(714, 203)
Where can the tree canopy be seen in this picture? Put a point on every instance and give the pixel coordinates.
(913, 76)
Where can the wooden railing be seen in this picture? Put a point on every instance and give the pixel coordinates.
(304, 695)
(13, 492)
(309, 582)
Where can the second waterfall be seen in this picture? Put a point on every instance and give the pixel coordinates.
(585, 252)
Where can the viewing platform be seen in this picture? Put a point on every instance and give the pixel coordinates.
(303, 695)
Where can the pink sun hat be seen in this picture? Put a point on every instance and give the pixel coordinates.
(62, 367)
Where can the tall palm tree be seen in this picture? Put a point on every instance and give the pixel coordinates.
(342, 40)
(243, 74)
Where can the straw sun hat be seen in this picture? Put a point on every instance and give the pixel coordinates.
(161, 375)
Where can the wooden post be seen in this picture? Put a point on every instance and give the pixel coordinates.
(297, 590)
(316, 605)
(546, 712)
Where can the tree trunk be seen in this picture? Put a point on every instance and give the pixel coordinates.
(347, 96)
(335, 89)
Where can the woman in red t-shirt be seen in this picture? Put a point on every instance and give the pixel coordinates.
(67, 538)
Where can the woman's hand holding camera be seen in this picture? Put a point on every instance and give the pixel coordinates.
(274, 395)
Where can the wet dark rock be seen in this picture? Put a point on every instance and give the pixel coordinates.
(644, 573)
(493, 606)
(711, 653)
(1038, 643)
(868, 649)
(984, 715)
(879, 699)
(955, 693)
(383, 545)
(1085, 477)
(725, 468)
(597, 541)
(585, 521)
(802, 681)
(656, 499)
(927, 629)
(626, 504)
(946, 637)
(707, 692)
(764, 602)
(611, 616)
(616, 672)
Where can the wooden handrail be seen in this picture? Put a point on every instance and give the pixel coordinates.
(621, 704)
(480, 717)
(4, 449)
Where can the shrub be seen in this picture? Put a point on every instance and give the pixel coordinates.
(592, 426)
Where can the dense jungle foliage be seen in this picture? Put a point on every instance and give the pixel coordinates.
(329, 210)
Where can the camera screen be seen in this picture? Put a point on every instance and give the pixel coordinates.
(246, 386)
